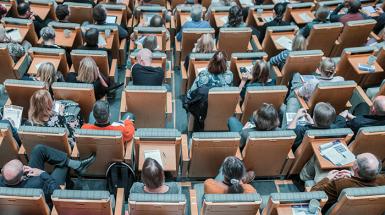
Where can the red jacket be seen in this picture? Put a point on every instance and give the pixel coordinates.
(126, 127)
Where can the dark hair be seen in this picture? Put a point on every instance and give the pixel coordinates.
(23, 8)
(91, 37)
(101, 111)
(260, 72)
(233, 171)
(324, 115)
(354, 6)
(217, 63)
(150, 42)
(62, 11)
(99, 14)
(156, 21)
(3, 10)
(152, 174)
(279, 10)
(266, 118)
(235, 16)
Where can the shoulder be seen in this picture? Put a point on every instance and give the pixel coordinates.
(212, 186)
(248, 188)
(71, 77)
(173, 188)
(137, 187)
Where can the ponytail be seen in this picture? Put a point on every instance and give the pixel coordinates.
(235, 186)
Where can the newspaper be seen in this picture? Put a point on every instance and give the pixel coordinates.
(285, 42)
(13, 114)
(15, 35)
(337, 153)
(154, 154)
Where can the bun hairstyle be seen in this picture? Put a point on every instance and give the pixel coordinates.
(279, 10)
(233, 171)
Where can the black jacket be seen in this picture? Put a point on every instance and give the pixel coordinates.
(147, 75)
(197, 106)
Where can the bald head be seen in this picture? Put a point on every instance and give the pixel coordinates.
(144, 57)
(379, 106)
(368, 166)
(12, 172)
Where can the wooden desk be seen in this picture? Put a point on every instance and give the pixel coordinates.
(243, 63)
(296, 14)
(287, 210)
(259, 19)
(118, 14)
(55, 60)
(218, 18)
(41, 10)
(167, 151)
(184, 17)
(23, 30)
(277, 35)
(355, 60)
(109, 40)
(61, 40)
(324, 163)
(198, 65)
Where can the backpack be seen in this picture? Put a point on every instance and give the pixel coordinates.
(120, 175)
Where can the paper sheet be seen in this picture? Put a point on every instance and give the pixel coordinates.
(246, 2)
(267, 18)
(305, 17)
(337, 153)
(102, 41)
(300, 210)
(285, 42)
(111, 19)
(15, 35)
(369, 9)
(188, 19)
(154, 154)
(13, 114)
(308, 78)
(290, 117)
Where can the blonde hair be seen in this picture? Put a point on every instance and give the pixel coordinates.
(40, 107)
(327, 67)
(47, 73)
(299, 43)
(205, 44)
(88, 71)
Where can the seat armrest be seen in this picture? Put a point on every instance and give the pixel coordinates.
(238, 111)
(122, 51)
(17, 66)
(54, 212)
(238, 154)
(183, 71)
(254, 40)
(301, 100)
(119, 202)
(128, 154)
(114, 68)
(374, 36)
(185, 155)
(75, 152)
(277, 74)
(169, 104)
(193, 202)
(288, 163)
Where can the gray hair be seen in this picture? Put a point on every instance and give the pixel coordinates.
(368, 166)
(47, 33)
(196, 13)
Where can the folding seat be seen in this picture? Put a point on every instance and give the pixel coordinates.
(300, 13)
(207, 152)
(101, 59)
(197, 62)
(73, 41)
(348, 66)
(146, 13)
(272, 148)
(224, 204)
(222, 104)
(120, 11)
(363, 200)
(281, 203)
(43, 8)
(151, 105)
(304, 62)
(9, 149)
(165, 141)
(226, 39)
(81, 93)
(80, 12)
(20, 92)
(106, 144)
(354, 34)
(53, 137)
(246, 59)
(304, 152)
(170, 204)
(219, 16)
(256, 96)
(17, 201)
(159, 32)
(11, 69)
(24, 26)
(323, 36)
(369, 139)
(269, 44)
(337, 94)
(95, 202)
(42, 55)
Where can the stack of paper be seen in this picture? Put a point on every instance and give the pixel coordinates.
(337, 153)
(13, 114)
(285, 42)
(15, 35)
(154, 154)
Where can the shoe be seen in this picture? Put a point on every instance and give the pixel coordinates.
(84, 164)
(250, 176)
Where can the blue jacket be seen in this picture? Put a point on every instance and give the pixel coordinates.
(192, 24)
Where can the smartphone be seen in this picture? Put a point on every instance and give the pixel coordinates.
(243, 70)
(260, 19)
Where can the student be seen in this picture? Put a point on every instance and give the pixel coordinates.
(99, 14)
(153, 180)
(196, 21)
(231, 179)
(205, 44)
(47, 74)
(48, 35)
(235, 18)
(353, 13)
(278, 12)
(15, 50)
(218, 3)
(145, 74)
(24, 12)
(91, 37)
(63, 13)
(321, 17)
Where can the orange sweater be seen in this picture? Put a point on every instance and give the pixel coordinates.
(217, 187)
(127, 128)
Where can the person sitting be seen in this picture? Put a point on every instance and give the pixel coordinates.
(15, 50)
(91, 37)
(378, 44)
(205, 44)
(24, 12)
(15, 174)
(321, 17)
(166, 14)
(156, 21)
(48, 35)
(266, 118)
(375, 117)
(278, 12)
(145, 74)
(324, 115)
(99, 14)
(235, 18)
(218, 4)
(216, 74)
(380, 21)
(364, 173)
(89, 73)
(259, 77)
(153, 179)
(101, 113)
(63, 13)
(353, 13)
(47, 74)
(196, 21)
(231, 179)
(299, 44)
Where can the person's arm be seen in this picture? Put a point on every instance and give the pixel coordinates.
(245, 77)
(334, 16)
(122, 32)
(279, 58)
(49, 184)
(300, 113)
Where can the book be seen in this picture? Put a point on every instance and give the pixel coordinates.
(285, 42)
(154, 154)
(13, 114)
(337, 153)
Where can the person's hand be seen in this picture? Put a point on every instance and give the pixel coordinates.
(35, 172)
(245, 76)
(301, 112)
(344, 113)
(335, 174)
(26, 169)
(379, 10)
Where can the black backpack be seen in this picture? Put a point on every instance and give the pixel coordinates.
(120, 175)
